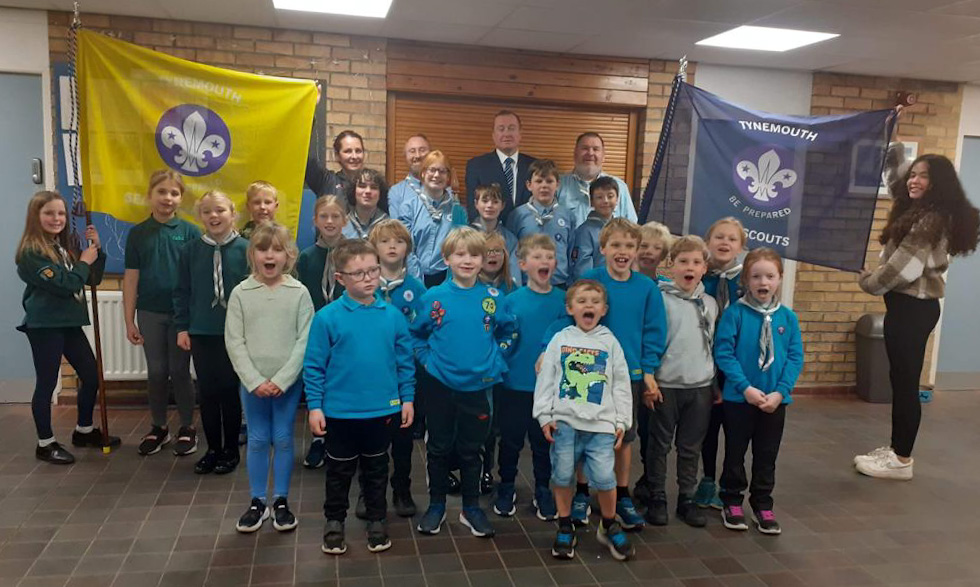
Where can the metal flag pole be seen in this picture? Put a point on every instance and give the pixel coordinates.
(76, 24)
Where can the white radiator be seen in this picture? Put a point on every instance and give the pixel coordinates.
(120, 360)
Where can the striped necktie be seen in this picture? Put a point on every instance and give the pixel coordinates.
(509, 176)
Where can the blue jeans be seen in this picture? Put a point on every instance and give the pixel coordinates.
(270, 422)
(593, 449)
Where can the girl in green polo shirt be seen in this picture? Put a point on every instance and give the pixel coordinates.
(54, 302)
(153, 249)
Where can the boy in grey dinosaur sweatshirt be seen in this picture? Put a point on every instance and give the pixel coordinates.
(584, 404)
(685, 378)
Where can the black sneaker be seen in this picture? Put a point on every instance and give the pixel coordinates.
(690, 513)
(765, 522)
(476, 520)
(565, 542)
(252, 519)
(316, 454)
(207, 463)
(333, 538)
(452, 484)
(154, 441)
(186, 441)
(733, 517)
(93, 439)
(403, 502)
(641, 491)
(377, 536)
(227, 462)
(486, 484)
(283, 520)
(55, 454)
(615, 539)
(360, 510)
(657, 512)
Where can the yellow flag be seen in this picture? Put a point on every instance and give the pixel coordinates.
(142, 110)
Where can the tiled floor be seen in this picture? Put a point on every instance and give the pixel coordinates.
(127, 521)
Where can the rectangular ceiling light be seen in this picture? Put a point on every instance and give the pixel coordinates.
(765, 38)
(371, 8)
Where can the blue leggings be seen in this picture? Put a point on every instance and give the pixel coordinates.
(270, 422)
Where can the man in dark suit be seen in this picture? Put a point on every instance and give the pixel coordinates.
(505, 166)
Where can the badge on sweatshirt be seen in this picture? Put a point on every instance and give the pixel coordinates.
(437, 313)
(490, 306)
(561, 222)
(395, 402)
(46, 272)
(781, 330)
(493, 291)
(408, 296)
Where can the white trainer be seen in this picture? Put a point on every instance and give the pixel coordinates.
(886, 466)
(881, 450)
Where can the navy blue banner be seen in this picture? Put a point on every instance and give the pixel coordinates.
(805, 186)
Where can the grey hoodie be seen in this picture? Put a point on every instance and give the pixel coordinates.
(688, 362)
(584, 382)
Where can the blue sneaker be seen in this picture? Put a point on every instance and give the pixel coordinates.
(544, 504)
(615, 539)
(474, 519)
(564, 546)
(581, 509)
(706, 495)
(627, 515)
(505, 504)
(432, 519)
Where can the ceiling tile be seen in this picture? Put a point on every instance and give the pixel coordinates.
(438, 32)
(451, 12)
(533, 40)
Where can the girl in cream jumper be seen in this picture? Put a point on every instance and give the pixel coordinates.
(266, 328)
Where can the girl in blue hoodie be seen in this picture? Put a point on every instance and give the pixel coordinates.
(759, 349)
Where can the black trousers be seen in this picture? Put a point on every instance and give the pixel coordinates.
(458, 424)
(908, 323)
(709, 448)
(516, 422)
(350, 443)
(745, 424)
(221, 406)
(47, 347)
(681, 420)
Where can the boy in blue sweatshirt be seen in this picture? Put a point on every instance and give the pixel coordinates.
(535, 306)
(604, 195)
(360, 383)
(639, 321)
(543, 215)
(461, 338)
(759, 349)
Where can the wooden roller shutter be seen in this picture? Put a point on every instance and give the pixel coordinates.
(461, 128)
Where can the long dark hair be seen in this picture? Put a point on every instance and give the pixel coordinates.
(943, 212)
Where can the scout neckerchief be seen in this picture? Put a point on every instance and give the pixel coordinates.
(217, 274)
(436, 208)
(724, 276)
(66, 261)
(363, 230)
(767, 348)
(542, 215)
(482, 227)
(697, 298)
(328, 282)
(387, 285)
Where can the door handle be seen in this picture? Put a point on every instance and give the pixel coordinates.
(37, 171)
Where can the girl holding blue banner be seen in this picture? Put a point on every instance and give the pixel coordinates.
(930, 220)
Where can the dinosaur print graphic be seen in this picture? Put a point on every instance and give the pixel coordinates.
(583, 374)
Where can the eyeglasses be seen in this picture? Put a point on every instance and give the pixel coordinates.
(360, 274)
(437, 171)
(495, 252)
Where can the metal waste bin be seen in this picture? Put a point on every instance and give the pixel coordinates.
(873, 384)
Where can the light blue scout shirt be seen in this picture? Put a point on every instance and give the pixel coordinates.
(401, 192)
(556, 222)
(429, 225)
(573, 194)
(586, 255)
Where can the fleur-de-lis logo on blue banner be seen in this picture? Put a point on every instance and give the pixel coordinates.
(765, 176)
(193, 139)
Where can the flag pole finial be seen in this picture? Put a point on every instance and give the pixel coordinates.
(682, 70)
(76, 21)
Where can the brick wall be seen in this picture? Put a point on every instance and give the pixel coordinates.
(828, 301)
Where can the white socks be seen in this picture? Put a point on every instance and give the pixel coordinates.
(84, 429)
(46, 442)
